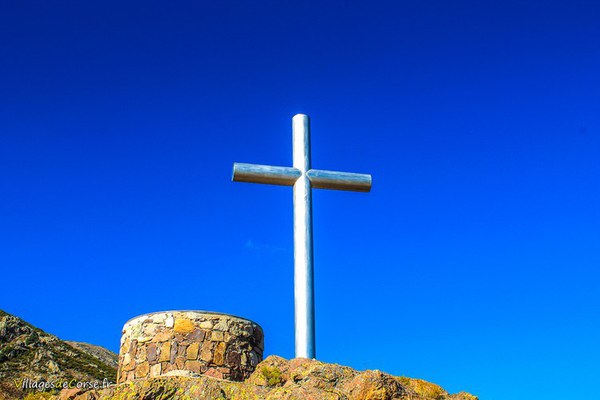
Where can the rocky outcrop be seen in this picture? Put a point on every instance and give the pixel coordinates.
(29, 355)
(106, 356)
(277, 378)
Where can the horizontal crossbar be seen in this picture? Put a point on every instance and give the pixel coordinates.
(321, 179)
(287, 176)
(256, 173)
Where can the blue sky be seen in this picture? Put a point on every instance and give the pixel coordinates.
(473, 263)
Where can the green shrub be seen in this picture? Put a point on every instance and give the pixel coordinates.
(272, 375)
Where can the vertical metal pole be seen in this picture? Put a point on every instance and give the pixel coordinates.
(303, 242)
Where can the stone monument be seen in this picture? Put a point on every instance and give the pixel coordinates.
(188, 343)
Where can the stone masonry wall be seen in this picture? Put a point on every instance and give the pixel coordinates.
(218, 345)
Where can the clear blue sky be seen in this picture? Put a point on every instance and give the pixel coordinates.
(473, 263)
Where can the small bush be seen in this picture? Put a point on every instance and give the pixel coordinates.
(272, 375)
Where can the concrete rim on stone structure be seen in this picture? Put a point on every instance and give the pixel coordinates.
(190, 311)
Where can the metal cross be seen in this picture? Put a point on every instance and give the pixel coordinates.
(303, 178)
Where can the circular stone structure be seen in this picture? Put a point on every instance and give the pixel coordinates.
(172, 342)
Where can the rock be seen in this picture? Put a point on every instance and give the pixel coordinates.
(233, 357)
(216, 336)
(165, 352)
(140, 354)
(68, 394)
(192, 351)
(221, 326)
(374, 385)
(165, 335)
(141, 371)
(183, 325)
(253, 358)
(219, 356)
(181, 350)
(144, 338)
(194, 366)
(276, 379)
(173, 353)
(462, 396)
(106, 356)
(206, 352)
(197, 335)
(155, 370)
(158, 318)
(206, 325)
(182, 372)
(421, 387)
(27, 352)
(151, 353)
